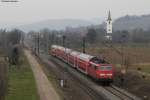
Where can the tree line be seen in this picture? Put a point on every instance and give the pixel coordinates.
(9, 44)
(93, 37)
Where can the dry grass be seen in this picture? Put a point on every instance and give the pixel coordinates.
(135, 57)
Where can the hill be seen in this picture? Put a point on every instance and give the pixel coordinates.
(132, 22)
(59, 24)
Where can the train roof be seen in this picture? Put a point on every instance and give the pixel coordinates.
(74, 53)
(58, 47)
(67, 50)
(85, 57)
(80, 55)
(54, 46)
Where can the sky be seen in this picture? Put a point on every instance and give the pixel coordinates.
(28, 11)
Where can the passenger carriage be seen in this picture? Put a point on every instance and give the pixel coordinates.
(73, 58)
(96, 68)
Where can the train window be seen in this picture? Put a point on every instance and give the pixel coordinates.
(98, 61)
(105, 68)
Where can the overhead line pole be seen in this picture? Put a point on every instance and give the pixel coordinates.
(83, 44)
(38, 44)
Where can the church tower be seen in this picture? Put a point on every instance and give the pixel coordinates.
(109, 23)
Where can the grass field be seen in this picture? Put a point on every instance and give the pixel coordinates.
(143, 67)
(137, 57)
(21, 83)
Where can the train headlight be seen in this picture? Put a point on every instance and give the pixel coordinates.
(102, 74)
(109, 74)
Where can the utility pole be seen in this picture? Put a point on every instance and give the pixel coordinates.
(64, 38)
(38, 43)
(63, 81)
(35, 43)
(83, 44)
(47, 42)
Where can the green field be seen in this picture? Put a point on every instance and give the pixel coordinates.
(21, 83)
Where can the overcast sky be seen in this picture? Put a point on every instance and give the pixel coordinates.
(27, 11)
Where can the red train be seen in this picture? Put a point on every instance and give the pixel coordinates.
(94, 67)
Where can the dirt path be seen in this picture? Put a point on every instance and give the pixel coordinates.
(45, 88)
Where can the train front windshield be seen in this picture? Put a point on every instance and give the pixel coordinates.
(98, 61)
(105, 68)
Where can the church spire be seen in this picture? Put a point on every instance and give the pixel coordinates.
(109, 16)
(109, 23)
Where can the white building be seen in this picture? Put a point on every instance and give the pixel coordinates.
(109, 24)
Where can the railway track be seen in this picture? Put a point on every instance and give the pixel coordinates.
(120, 94)
(133, 97)
(95, 91)
(88, 90)
(93, 94)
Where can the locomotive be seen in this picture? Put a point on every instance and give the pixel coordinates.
(92, 66)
